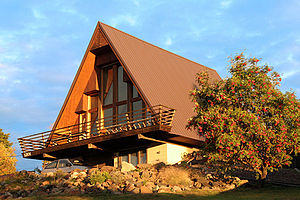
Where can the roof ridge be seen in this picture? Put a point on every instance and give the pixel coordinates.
(156, 46)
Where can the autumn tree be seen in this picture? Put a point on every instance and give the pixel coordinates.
(7, 155)
(246, 120)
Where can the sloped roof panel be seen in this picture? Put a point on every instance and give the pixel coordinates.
(161, 76)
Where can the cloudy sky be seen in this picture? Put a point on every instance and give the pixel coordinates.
(43, 42)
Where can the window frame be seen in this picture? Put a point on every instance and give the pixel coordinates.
(115, 88)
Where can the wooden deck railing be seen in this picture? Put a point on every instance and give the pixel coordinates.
(109, 125)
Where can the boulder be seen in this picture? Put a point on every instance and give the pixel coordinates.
(126, 167)
(48, 174)
(135, 191)
(113, 188)
(177, 189)
(82, 174)
(135, 174)
(44, 183)
(164, 189)
(144, 166)
(145, 190)
(146, 175)
(242, 182)
(130, 188)
(108, 169)
(139, 183)
(150, 184)
(198, 185)
(92, 170)
(74, 175)
(230, 187)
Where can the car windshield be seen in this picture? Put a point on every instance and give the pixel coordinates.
(51, 165)
(64, 163)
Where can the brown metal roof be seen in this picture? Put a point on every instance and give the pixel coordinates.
(161, 76)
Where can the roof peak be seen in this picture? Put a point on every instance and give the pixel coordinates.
(148, 43)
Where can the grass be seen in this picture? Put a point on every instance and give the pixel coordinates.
(175, 176)
(244, 193)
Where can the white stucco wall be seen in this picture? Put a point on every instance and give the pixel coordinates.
(175, 153)
(157, 154)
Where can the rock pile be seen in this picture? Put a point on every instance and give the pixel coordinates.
(144, 178)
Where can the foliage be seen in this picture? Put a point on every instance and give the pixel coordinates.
(7, 155)
(8, 160)
(4, 139)
(99, 177)
(175, 176)
(246, 120)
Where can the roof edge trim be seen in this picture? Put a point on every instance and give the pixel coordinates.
(75, 78)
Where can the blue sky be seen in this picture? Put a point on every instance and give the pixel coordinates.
(43, 42)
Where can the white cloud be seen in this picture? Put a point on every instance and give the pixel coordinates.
(37, 14)
(288, 74)
(197, 31)
(168, 41)
(136, 2)
(7, 74)
(127, 19)
(226, 4)
(72, 11)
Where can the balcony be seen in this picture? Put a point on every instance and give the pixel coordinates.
(150, 119)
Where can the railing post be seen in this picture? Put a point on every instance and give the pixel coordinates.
(160, 114)
(128, 121)
(70, 135)
(43, 141)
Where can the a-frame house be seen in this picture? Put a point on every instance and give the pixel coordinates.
(129, 101)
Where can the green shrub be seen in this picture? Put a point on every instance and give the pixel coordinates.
(99, 177)
(117, 177)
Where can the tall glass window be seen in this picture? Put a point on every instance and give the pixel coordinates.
(122, 86)
(122, 109)
(119, 96)
(108, 86)
(137, 106)
(125, 158)
(143, 156)
(108, 120)
(134, 159)
(134, 92)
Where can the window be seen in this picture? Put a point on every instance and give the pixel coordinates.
(135, 93)
(107, 86)
(122, 109)
(51, 165)
(108, 113)
(125, 158)
(137, 106)
(64, 163)
(122, 86)
(135, 158)
(143, 157)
